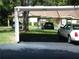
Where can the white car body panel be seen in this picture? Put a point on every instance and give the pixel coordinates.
(73, 35)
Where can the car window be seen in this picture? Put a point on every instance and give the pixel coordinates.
(67, 27)
(76, 26)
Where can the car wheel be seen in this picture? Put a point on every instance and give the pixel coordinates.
(69, 39)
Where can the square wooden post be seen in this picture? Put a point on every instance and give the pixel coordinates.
(16, 24)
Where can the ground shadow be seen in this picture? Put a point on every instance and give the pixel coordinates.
(40, 38)
(38, 54)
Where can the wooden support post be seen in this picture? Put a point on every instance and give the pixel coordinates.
(16, 25)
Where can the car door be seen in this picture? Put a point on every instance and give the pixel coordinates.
(61, 30)
(64, 31)
(67, 30)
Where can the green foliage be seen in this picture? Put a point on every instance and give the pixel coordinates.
(48, 2)
(1, 4)
(72, 2)
(54, 2)
(6, 8)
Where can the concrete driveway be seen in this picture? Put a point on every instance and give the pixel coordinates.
(39, 50)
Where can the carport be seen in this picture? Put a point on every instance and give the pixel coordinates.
(17, 9)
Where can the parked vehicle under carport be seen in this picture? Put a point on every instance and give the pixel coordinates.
(48, 25)
(69, 31)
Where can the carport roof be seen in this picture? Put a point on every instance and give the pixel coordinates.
(74, 13)
(52, 11)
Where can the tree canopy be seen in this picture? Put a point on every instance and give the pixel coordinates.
(7, 6)
(54, 2)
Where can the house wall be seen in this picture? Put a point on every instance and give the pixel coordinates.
(33, 20)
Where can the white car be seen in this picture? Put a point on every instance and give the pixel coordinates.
(70, 31)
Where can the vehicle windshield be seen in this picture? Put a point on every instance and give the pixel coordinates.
(76, 26)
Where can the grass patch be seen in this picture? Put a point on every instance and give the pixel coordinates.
(41, 32)
(6, 35)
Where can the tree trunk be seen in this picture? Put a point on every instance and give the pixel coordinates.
(25, 14)
(25, 20)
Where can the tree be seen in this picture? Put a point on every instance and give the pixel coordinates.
(6, 8)
(25, 14)
(72, 2)
(48, 2)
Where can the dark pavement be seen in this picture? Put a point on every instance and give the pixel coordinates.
(39, 50)
(39, 47)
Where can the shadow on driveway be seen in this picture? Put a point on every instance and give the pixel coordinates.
(40, 38)
(38, 54)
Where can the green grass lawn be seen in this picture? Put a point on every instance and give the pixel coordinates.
(41, 32)
(36, 30)
(6, 35)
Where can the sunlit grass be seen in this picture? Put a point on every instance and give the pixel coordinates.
(6, 35)
(36, 30)
(41, 32)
